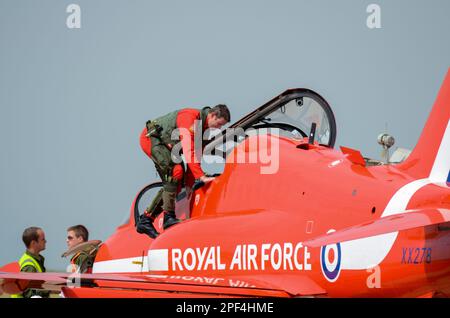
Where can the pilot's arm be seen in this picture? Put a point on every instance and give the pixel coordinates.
(185, 122)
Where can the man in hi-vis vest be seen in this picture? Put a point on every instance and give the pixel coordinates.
(31, 261)
(157, 141)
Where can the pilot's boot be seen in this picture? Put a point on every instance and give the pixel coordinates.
(145, 225)
(170, 219)
(168, 196)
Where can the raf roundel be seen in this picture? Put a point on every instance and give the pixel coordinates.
(330, 261)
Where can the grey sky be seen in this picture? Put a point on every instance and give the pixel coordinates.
(73, 102)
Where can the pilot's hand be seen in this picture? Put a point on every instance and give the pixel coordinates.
(206, 179)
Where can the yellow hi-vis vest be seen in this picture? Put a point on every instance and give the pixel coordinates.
(27, 260)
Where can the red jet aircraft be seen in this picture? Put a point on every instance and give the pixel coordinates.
(289, 217)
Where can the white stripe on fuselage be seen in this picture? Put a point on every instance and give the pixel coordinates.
(158, 260)
(122, 265)
(369, 252)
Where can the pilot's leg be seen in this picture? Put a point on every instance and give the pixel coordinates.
(145, 224)
(154, 209)
(171, 175)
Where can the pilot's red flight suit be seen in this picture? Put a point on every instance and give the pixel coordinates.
(160, 140)
(185, 118)
(157, 141)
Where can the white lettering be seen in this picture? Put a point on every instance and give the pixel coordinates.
(244, 257)
(267, 145)
(264, 256)
(262, 147)
(287, 251)
(252, 253)
(276, 249)
(176, 259)
(210, 260)
(201, 257)
(73, 21)
(277, 256)
(193, 308)
(252, 148)
(236, 258)
(74, 279)
(298, 265)
(374, 19)
(189, 266)
(307, 257)
(238, 283)
(220, 265)
(374, 280)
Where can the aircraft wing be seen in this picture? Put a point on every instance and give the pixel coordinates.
(145, 285)
(403, 221)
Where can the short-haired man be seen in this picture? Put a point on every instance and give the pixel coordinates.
(82, 261)
(32, 261)
(157, 142)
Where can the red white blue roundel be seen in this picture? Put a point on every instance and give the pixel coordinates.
(330, 261)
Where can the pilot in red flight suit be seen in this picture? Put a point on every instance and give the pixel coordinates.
(158, 139)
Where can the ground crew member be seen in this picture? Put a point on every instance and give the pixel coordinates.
(156, 141)
(31, 261)
(83, 260)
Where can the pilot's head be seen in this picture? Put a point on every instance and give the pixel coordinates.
(218, 116)
(34, 239)
(76, 234)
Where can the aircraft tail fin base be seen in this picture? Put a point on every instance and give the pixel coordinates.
(431, 156)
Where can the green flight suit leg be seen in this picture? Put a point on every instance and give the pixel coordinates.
(161, 156)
